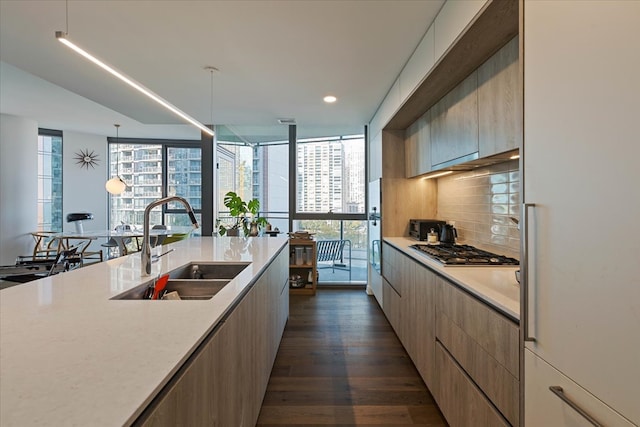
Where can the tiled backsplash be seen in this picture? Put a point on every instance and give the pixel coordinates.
(481, 202)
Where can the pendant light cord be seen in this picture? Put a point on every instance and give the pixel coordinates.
(117, 150)
(66, 21)
(211, 70)
(211, 106)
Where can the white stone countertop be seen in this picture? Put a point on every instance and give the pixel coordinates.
(71, 356)
(497, 286)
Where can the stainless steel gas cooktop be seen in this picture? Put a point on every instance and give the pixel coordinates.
(463, 255)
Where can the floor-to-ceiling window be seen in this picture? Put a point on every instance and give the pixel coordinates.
(330, 201)
(328, 197)
(255, 166)
(49, 180)
(152, 170)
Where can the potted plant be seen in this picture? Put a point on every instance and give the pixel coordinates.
(244, 214)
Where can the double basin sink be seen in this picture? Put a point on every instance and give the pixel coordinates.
(193, 281)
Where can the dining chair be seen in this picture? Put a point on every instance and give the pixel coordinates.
(46, 248)
(47, 245)
(83, 252)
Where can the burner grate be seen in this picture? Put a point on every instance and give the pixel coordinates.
(463, 255)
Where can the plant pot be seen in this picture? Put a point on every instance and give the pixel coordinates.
(233, 232)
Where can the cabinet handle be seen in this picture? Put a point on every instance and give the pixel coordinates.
(558, 391)
(524, 271)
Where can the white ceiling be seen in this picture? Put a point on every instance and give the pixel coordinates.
(277, 59)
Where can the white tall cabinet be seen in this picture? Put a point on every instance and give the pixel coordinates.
(582, 173)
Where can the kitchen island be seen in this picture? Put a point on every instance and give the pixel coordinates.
(72, 355)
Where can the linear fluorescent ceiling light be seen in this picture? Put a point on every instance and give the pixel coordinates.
(62, 37)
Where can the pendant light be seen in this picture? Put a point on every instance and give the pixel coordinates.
(116, 185)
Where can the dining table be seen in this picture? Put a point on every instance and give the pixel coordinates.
(119, 236)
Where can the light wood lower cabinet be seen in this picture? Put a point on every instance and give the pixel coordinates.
(391, 306)
(411, 307)
(475, 375)
(460, 400)
(224, 382)
(418, 317)
(484, 343)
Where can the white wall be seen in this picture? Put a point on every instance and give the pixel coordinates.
(83, 189)
(18, 186)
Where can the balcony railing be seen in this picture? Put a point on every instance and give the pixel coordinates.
(352, 265)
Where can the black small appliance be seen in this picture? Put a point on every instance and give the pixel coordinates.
(419, 228)
(448, 234)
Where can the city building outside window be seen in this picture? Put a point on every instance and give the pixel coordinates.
(152, 171)
(330, 180)
(49, 180)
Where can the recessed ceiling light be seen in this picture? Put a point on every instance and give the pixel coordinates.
(330, 99)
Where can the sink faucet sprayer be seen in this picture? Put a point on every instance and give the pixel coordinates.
(146, 243)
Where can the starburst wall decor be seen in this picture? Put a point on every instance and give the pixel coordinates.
(84, 158)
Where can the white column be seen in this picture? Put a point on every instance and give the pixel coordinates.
(18, 186)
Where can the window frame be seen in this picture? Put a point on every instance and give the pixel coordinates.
(52, 133)
(165, 145)
(293, 182)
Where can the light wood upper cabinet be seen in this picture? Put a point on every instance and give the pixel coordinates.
(411, 150)
(500, 102)
(482, 115)
(417, 148)
(454, 123)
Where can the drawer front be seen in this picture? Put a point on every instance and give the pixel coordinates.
(544, 408)
(392, 267)
(494, 333)
(391, 306)
(493, 378)
(461, 402)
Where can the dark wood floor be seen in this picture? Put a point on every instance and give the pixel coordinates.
(341, 364)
